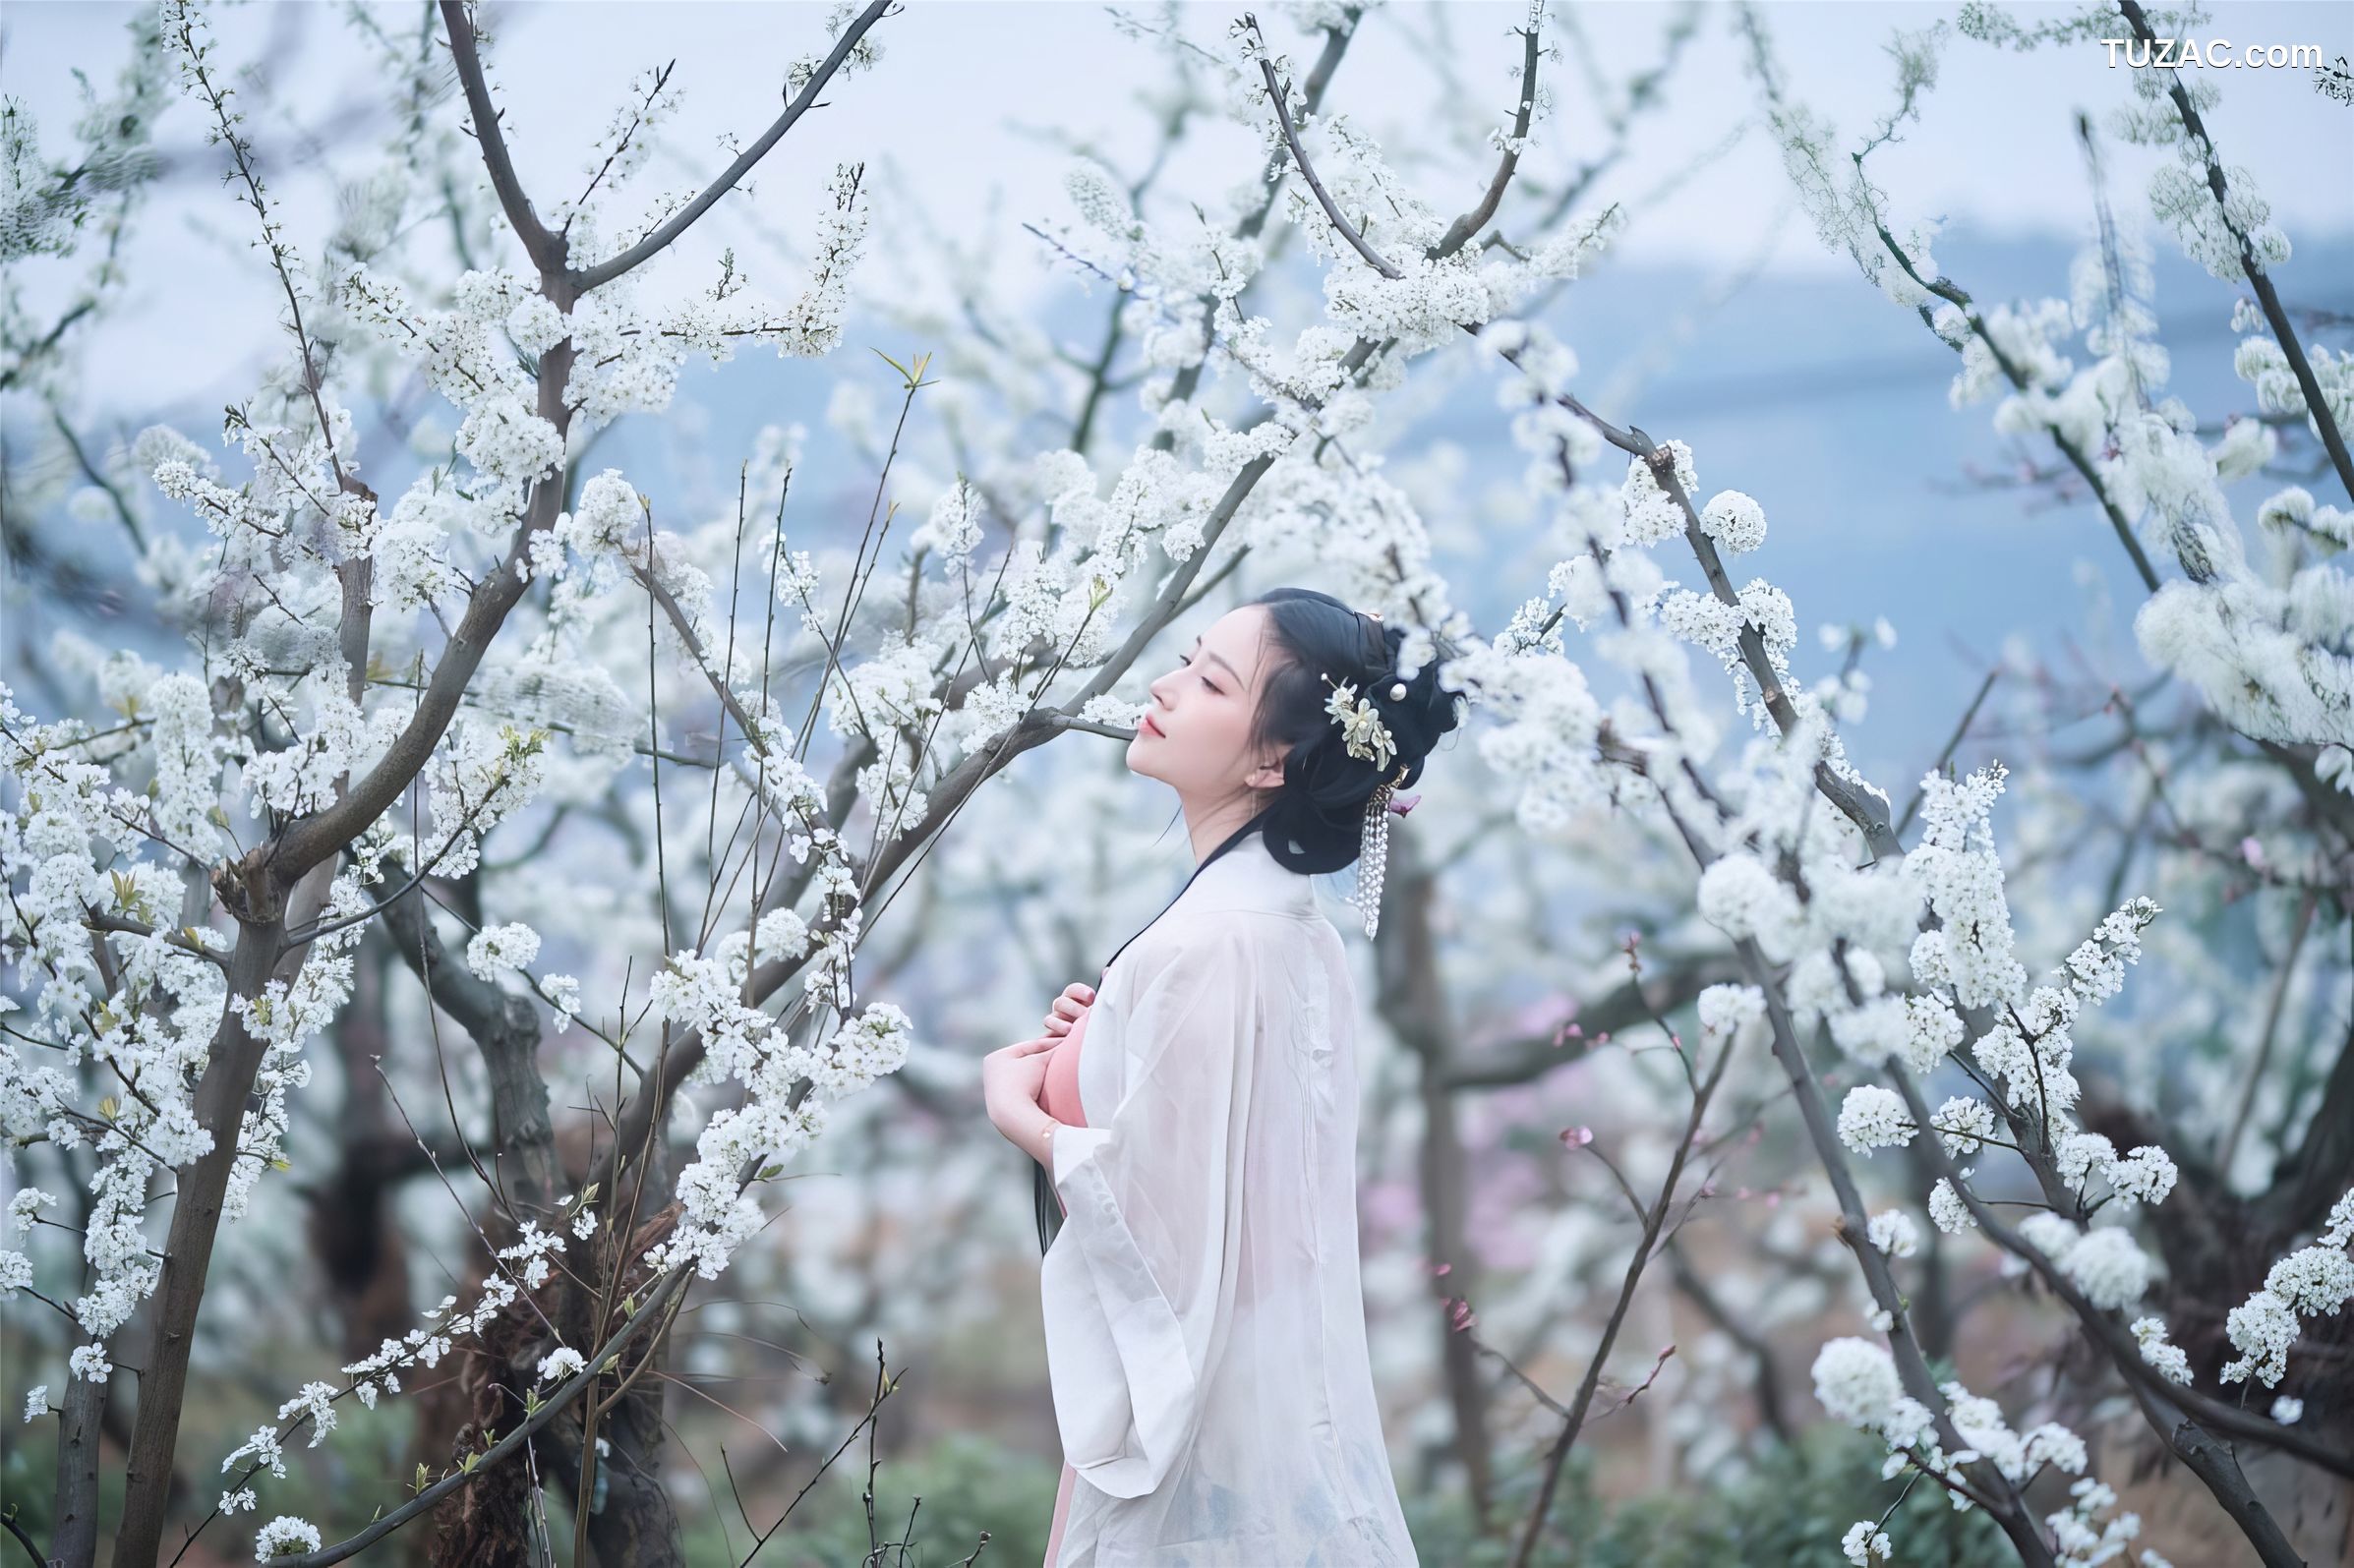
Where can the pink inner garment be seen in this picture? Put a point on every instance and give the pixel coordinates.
(1061, 1092)
(1060, 1095)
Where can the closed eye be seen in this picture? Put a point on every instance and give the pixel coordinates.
(1205, 681)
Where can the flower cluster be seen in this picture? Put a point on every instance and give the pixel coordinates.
(1857, 1383)
(2314, 1281)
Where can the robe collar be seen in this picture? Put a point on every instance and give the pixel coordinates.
(1249, 877)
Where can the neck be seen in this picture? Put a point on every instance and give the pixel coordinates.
(1208, 827)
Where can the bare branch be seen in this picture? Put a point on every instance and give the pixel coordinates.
(606, 271)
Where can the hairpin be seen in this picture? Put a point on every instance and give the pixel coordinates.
(1361, 723)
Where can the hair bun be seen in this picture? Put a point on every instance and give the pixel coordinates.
(1316, 820)
(1419, 711)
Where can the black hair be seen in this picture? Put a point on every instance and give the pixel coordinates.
(1313, 822)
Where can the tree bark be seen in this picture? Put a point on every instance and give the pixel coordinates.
(220, 1100)
(75, 1543)
(1414, 1004)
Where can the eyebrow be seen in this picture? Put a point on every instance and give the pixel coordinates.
(1229, 669)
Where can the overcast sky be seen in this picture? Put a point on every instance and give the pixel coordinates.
(952, 120)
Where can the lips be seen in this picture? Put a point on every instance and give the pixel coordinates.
(1151, 729)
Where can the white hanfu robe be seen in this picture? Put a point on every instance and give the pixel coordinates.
(1203, 1312)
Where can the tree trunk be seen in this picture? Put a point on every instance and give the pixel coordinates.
(1415, 1007)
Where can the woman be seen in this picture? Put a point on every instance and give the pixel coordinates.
(1204, 1315)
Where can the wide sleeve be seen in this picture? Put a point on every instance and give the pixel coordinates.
(1139, 1285)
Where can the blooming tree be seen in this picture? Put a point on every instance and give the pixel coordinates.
(377, 688)
(304, 825)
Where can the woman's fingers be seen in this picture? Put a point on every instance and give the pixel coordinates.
(1044, 1042)
(1075, 1000)
(1066, 1012)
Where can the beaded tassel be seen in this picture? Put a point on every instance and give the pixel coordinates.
(1370, 738)
(1373, 854)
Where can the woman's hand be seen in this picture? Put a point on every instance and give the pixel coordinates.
(1076, 999)
(1012, 1078)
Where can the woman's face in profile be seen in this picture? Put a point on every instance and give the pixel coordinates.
(1193, 735)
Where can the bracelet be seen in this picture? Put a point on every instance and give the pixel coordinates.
(1051, 1124)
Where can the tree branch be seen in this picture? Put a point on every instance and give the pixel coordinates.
(546, 251)
(654, 1306)
(591, 278)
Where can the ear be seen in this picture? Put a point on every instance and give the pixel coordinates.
(1269, 776)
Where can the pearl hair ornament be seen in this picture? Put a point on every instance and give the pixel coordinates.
(1397, 688)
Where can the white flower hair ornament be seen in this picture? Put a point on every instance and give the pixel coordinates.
(1368, 737)
(1361, 723)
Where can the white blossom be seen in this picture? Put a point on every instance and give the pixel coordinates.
(560, 1364)
(1856, 1381)
(2261, 1329)
(1933, 1028)
(502, 950)
(1741, 898)
(2169, 1358)
(2145, 1176)
(1963, 1123)
(284, 1536)
(1874, 1118)
(1894, 1232)
(2109, 1268)
(1863, 1541)
(1723, 1009)
(2315, 1280)
(562, 993)
(1947, 1209)
(1735, 521)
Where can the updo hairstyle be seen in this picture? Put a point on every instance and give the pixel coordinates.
(1314, 823)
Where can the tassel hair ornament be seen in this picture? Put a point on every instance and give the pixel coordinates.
(1368, 738)
(1373, 847)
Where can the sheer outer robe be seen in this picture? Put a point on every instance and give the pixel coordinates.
(1203, 1312)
